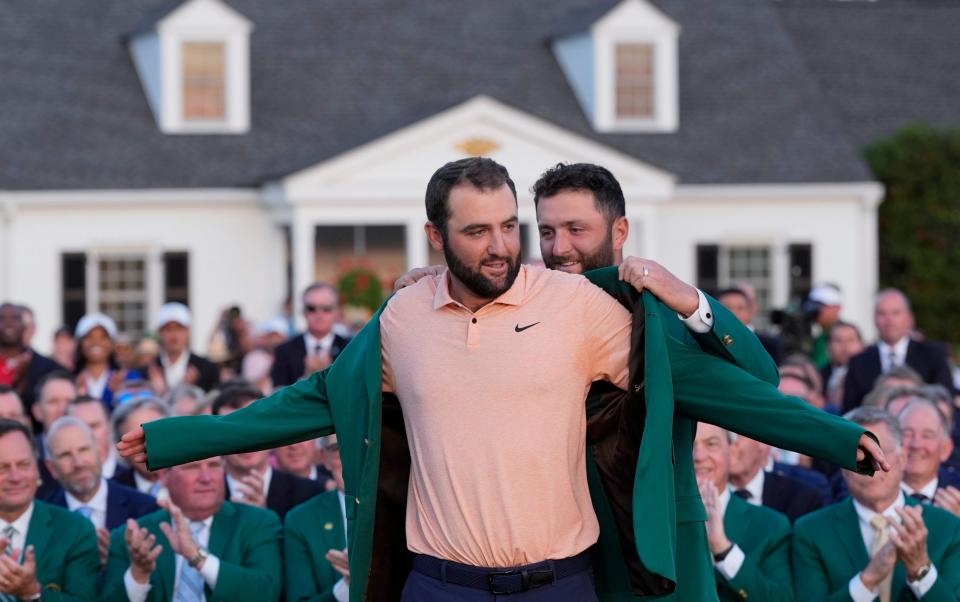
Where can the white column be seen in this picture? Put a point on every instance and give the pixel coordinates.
(417, 246)
(870, 261)
(779, 273)
(155, 294)
(6, 249)
(303, 243)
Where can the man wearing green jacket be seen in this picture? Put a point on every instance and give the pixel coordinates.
(46, 552)
(632, 429)
(198, 547)
(750, 544)
(878, 543)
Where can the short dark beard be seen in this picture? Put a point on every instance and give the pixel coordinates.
(480, 285)
(602, 258)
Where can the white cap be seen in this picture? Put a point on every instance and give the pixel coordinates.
(826, 294)
(277, 325)
(173, 312)
(91, 321)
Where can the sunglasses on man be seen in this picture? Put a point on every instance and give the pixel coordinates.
(315, 308)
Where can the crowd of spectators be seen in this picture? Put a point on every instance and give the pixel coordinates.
(81, 521)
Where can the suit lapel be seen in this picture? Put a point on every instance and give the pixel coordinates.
(115, 507)
(280, 493)
(736, 520)
(847, 525)
(222, 529)
(39, 530)
(874, 367)
(166, 563)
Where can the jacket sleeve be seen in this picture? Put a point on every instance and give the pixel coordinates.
(709, 389)
(810, 572)
(729, 339)
(81, 567)
(300, 579)
(295, 413)
(765, 574)
(260, 571)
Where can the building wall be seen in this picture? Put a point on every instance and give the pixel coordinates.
(236, 255)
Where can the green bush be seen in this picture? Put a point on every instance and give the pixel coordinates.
(361, 287)
(919, 223)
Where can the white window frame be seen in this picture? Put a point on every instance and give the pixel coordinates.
(636, 22)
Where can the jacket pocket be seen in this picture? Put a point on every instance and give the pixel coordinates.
(690, 509)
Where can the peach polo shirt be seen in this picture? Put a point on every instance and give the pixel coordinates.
(493, 402)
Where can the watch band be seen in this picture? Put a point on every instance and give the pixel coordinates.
(199, 558)
(924, 570)
(723, 555)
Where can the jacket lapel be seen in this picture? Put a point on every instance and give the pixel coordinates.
(222, 529)
(166, 563)
(847, 525)
(39, 530)
(736, 520)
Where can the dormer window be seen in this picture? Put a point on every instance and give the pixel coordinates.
(622, 67)
(635, 96)
(204, 73)
(194, 64)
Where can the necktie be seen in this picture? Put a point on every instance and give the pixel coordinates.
(880, 538)
(8, 532)
(920, 497)
(155, 489)
(893, 360)
(743, 494)
(317, 350)
(86, 512)
(190, 586)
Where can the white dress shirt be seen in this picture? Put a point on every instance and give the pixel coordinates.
(899, 349)
(236, 486)
(701, 320)
(341, 591)
(20, 527)
(109, 467)
(858, 591)
(730, 565)
(145, 485)
(755, 487)
(929, 490)
(312, 342)
(210, 571)
(97, 505)
(175, 372)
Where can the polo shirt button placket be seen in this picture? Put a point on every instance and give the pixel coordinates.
(473, 336)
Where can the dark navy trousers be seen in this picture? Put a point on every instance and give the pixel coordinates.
(574, 588)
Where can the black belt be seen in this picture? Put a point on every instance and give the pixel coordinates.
(501, 581)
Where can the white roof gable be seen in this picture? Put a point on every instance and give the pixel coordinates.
(199, 15)
(400, 164)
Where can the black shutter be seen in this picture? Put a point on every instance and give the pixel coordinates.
(801, 270)
(73, 268)
(176, 277)
(708, 269)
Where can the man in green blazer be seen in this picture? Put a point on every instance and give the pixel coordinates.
(199, 544)
(51, 553)
(878, 542)
(750, 544)
(315, 538)
(663, 552)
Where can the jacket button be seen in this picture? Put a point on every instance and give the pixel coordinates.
(357, 500)
(366, 442)
(743, 594)
(727, 340)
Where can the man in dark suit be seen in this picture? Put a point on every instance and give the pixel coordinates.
(894, 321)
(21, 367)
(74, 461)
(51, 553)
(878, 542)
(844, 343)
(750, 544)
(316, 348)
(199, 547)
(753, 481)
(176, 364)
(249, 477)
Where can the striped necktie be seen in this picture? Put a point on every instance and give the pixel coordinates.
(190, 586)
(85, 511)
(8, 532)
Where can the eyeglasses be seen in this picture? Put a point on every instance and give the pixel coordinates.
(324, 308)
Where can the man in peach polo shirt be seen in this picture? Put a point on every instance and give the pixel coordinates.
(484, 371)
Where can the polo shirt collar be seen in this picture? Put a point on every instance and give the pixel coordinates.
(513, 296)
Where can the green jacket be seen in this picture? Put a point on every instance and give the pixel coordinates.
(246, 539)
(309, 531)
(664, 551)
(828, 550)
(764, 536)
(65, 545)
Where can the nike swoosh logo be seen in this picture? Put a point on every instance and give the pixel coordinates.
(519, 328)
